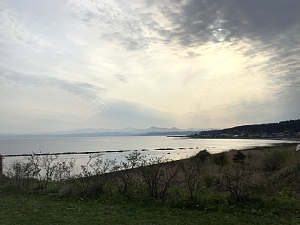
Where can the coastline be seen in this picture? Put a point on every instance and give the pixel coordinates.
(234, 138)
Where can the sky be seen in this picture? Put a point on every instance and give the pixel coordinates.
(74, 64)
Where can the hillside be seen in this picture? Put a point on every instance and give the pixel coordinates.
(290, 128)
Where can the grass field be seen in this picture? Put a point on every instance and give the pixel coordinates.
(41, 209)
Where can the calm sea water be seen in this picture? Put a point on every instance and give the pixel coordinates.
(183, 147)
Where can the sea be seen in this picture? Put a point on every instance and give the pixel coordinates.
(118, 147)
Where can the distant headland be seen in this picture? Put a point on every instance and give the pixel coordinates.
(280, 130)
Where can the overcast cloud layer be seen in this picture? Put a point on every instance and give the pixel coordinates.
(196, 63)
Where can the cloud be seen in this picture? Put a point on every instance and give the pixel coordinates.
(121, 113)
(191, 54)
(86, 90)
(203, 21)
(121, 78)
(192, 62)
(111, 21)
(13, 31)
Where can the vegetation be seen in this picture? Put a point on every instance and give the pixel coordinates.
(239, 157)
(258, 186)
(282, 129)
(220, 159)
(290, 126)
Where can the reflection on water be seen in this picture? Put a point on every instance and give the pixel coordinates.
(181, 147)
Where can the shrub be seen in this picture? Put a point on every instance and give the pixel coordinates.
(209, 180)
(95, 175)
(126, 172)
(288, 179)
(274, 160)
(191, 178)
(157, 177)
(220, 159)
(239, 183)
(239, 157)
(38, 171)
(202, 155)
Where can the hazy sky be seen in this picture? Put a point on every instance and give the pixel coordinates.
(75, 64)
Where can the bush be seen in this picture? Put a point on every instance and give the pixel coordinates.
(38, 171)
(274, 161)
(95, 175)
(220, 159)
(202, 155)
(239, 183)
(126, 172)
(239, 157)
(158, 177)
(209, 180)
(191, 178)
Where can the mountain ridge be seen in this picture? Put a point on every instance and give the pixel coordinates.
(95, 132)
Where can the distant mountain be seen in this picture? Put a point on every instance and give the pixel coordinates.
(92, 132)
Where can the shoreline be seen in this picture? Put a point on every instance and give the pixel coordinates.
(283, 144)
(234, 138)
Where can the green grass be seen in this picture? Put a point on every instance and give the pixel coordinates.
(37, 208)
